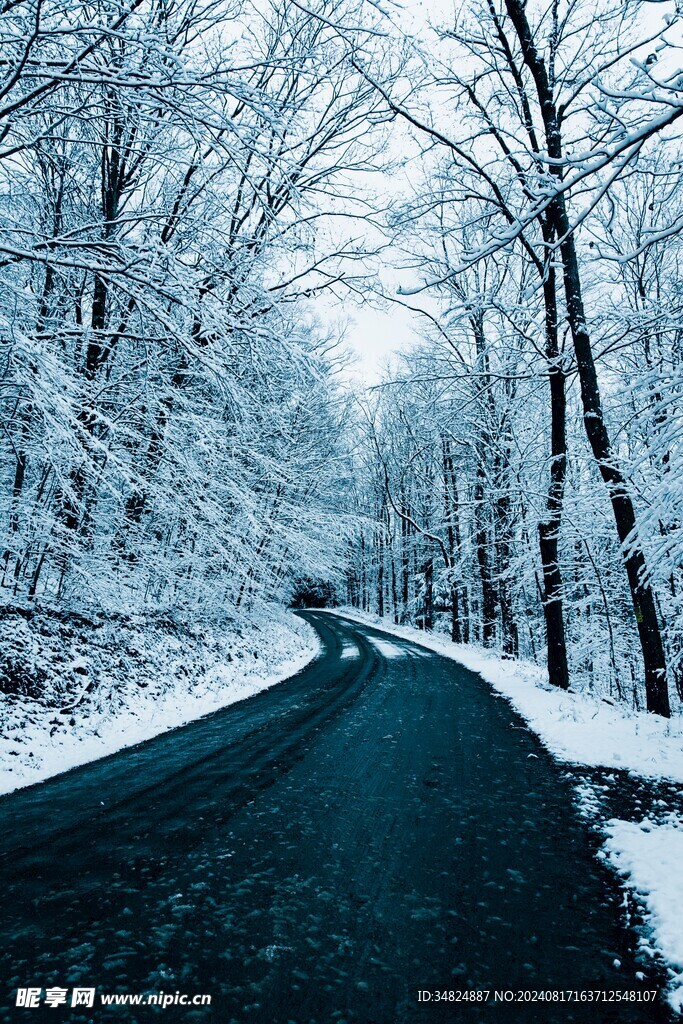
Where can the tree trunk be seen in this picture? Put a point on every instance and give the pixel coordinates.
(380, 566)
(394, 586)
(405, 564)
(488, 591)
(644, 607)
(450, 514)
(465, 616)
(507, 620)
(548, 531)
(428, 617)
(656, 691)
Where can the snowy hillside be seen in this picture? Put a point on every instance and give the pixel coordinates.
(75, 689)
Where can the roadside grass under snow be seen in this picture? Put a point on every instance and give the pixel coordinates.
(76, 688)
(584, 729)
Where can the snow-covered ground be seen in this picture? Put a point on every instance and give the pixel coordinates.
(109, 685)
(583, 729)
(649, 857)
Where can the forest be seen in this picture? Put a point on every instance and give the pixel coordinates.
(193, 193)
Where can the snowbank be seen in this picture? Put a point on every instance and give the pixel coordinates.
(585, 730)
(83, 690)
(650, 858)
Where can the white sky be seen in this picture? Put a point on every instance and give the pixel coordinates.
(377, 330)
(376, 335)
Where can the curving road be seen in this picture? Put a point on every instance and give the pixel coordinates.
(379, 824)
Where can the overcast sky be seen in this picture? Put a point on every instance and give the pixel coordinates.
(374, 331)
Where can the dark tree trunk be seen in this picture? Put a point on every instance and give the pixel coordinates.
(380, 567)
(503, 528)
(657, 696)
(405, 565)
(17, 488)
(465, 615)
(428, 613)
(452, 532)
(76, 510)
(548, 531)
(482, 543)
(394, 587)
(456, 631)
(644, 607)
(507, 619)
(558, 671)
(363, 575)
(484, 540)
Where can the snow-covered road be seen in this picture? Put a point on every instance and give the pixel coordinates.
(378, 825)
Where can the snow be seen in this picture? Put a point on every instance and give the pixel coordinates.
(174, 679)
(583, 729)
(387, 649)
(650, 856)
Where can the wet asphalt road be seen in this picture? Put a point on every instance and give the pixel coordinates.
(380, 824)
